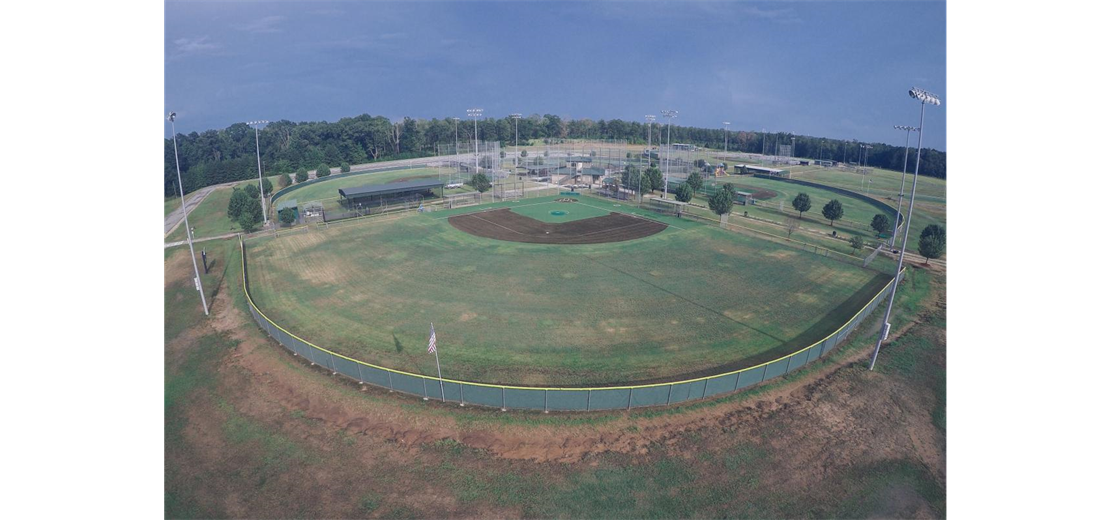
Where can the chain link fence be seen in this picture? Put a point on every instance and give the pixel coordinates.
(555, 398)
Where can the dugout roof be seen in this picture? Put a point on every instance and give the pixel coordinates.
(387, 189)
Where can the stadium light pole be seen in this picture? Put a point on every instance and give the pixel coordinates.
(258, 155)
(926, 98)
(763, 150)
(475, 113)
(726, 123)
(456, 145)
(516, 139)
(185, 215)
(640, 187)
(670, 115)
(902, 190)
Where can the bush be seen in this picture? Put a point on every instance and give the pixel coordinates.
(284, 181)
(524, 153)
(302, 175)
(481, 183)
(694, 181)
(251, 216)
(322, 171)
(267, 186)
(344, 167)
(856, 242)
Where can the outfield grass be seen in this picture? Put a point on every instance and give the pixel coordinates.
(691, 298)
(857, 213)
(884, 183)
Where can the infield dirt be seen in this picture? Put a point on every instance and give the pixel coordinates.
(504, 224)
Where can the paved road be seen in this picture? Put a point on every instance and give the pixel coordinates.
(191, 202)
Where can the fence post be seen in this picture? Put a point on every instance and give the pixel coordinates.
(360, 378)
(502, 399)
(462, 400)
(544, 400)
(389, 375)
(670, 389)
(425, 380)
(630, 398)
(588, 392)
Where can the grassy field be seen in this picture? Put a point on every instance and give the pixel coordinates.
(691, 298)
(209, 218)
(884, 183)
(930, 207)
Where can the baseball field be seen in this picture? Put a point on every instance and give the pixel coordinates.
(685, 298)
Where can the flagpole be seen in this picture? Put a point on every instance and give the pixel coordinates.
(442, 395)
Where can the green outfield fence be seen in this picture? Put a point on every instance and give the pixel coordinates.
(555, 398)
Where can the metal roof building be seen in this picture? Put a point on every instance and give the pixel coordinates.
(395, 188)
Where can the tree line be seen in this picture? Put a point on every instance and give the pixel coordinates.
(219, 156)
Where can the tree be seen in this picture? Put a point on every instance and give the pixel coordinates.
(932, 242)
(267, 186)
(653, 179)
(630, 177)
(239, 200)
(856, 242)
(833, 211)
(683, 193)
(721, 200)
(287, 216)
(934, 230)
(481, 183)
(524, 153)
(302, 175)
(284, 181)
(251, 216)
(801, 203)
(792, 225)
(930, 247)
(694, 181)
(344, 167)
(880, 223)
(322, 171)
(251, 190)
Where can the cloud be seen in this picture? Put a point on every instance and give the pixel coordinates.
(774, 15)
(184, 46)
(266, 24)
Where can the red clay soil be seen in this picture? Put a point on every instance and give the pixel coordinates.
(504, 224)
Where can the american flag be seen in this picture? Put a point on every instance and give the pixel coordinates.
(432, 341)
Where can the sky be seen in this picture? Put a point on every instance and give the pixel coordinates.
(828, 69)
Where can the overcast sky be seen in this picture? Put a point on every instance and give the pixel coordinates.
(828, 69)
